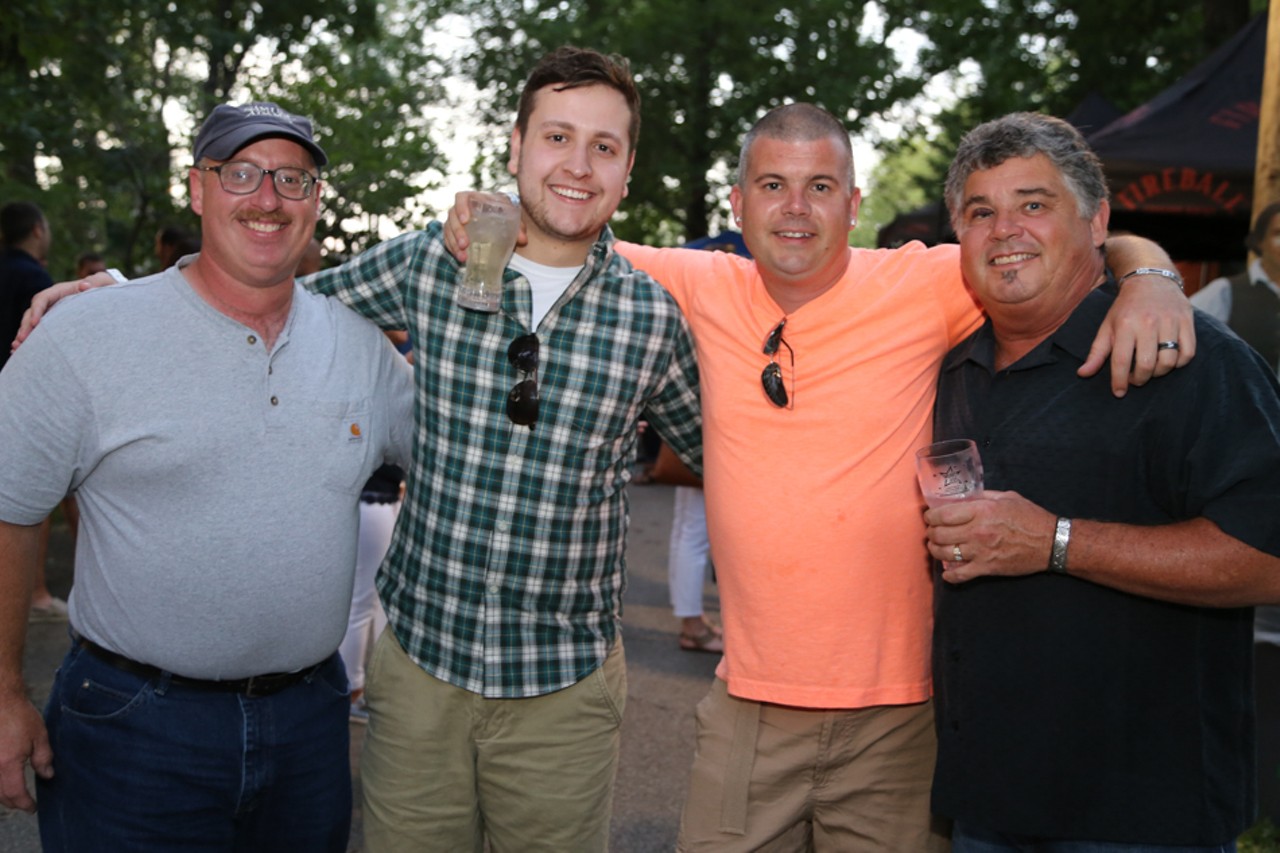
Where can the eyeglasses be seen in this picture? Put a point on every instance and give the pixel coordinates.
(771, 378)
(522, 400)
(241, 178)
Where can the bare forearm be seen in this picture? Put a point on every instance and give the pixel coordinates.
(23, 739)
(1128, 252)
(19, 547)
(1190, 562)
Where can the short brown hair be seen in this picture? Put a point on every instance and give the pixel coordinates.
(571, 67)
(797, 122)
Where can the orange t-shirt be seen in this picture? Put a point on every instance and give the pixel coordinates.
(814, 514)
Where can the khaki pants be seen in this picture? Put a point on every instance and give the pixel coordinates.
(775, 778)
(444, 769)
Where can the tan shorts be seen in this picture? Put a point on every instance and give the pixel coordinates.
(775, 778)
(444, 769)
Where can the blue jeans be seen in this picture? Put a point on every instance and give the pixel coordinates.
(971, 839)
(148, 765)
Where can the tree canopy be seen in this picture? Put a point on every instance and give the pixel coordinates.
(101, 98)
(1049, 56)
(706, 72)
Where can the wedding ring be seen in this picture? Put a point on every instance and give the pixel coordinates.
(955, 552)
(1167, 345)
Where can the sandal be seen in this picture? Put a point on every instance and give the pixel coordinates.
(706, 640)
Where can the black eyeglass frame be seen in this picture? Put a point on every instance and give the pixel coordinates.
(305, 180)
(522, 400)
(775, 389)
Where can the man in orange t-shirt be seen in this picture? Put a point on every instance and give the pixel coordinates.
(818, 365)
(819, 727)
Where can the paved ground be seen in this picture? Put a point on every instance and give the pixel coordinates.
(664, 684)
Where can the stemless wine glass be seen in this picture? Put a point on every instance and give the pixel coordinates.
(949, 471)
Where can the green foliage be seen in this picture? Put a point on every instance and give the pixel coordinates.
(102, 98)
(368, 100)
(1048, 55)
(103, 158)
(903, 180)
(1006, 55)
(706, 71)
(1263, 837)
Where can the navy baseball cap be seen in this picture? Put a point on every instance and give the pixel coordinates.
(231, 127)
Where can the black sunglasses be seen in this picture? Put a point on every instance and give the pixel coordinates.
(771, 378)
(522, 400)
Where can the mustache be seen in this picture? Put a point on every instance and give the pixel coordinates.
(259, 215)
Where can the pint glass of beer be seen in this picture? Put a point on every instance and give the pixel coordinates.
(492, 234)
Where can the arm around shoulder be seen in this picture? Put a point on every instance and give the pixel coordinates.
(375, 282)
(42, 302)
(677, 270)
(1149, 330)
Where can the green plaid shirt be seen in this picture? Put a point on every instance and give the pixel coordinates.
(506, 571)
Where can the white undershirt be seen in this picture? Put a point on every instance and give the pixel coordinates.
(547, 283)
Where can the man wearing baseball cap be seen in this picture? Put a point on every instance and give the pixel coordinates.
(216, 423)
(230, 127)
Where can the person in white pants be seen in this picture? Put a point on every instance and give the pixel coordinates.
(687, 563)
(379, 506)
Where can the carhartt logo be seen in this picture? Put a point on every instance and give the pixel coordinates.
(355, 432)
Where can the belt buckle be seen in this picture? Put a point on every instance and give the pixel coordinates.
(257, 686)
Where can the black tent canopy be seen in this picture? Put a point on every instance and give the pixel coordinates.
(1180, 167)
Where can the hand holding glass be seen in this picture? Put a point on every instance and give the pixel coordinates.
(949, 471)
(491, 235)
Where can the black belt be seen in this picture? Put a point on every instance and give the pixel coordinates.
(254, 686)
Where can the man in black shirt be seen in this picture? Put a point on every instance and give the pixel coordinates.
(25, 233)
(1093, 637)
(26, 236)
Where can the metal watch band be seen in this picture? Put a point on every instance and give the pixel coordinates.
(1058, 554)
(1172, 275)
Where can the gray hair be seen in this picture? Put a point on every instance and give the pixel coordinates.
(796, 123)
(1025, 135)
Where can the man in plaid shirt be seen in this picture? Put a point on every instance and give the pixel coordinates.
(496, 697)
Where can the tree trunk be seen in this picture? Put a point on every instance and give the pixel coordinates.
(697, 211)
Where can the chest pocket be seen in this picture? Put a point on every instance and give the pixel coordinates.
(338, 437)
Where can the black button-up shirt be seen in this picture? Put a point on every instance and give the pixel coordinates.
(1067, 709)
